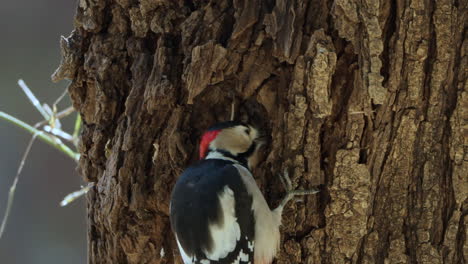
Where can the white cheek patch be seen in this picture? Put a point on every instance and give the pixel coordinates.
(227, 234)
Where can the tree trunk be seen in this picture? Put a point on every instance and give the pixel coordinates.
(365, 98)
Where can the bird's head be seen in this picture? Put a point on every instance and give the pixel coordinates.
(232, 140)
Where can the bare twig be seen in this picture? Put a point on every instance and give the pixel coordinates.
(33, 99)
(233, 110)
(59, 115)
(11, 193)
(76, 131)
(75, 195)
(54, 121)
(65, 92)
(59, 133)
(52, 118)
(53, 141)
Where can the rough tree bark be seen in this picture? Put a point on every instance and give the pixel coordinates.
(366, 98)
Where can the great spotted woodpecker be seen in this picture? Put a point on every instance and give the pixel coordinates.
(217, 211)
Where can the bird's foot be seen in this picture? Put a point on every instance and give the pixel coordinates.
(290, 193)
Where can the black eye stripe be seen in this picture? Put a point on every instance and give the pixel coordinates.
(247, 131)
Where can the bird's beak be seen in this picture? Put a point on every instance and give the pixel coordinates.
(261, 140)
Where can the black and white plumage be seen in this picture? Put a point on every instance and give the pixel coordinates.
(218, 213)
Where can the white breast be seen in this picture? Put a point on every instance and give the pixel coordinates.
(267, 222)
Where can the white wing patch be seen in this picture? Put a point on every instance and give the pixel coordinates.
(225, 235)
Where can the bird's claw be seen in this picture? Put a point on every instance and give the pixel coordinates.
(285, 180)
(290, 193)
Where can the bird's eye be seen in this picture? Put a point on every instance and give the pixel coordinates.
(247, 131)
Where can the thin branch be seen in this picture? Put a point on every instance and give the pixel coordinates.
(52, 118)
(60, 115)
(33, 99)
(60, 97)
(53, 121)
(76, 131)
(59, 133)
(75, 195)
(233, 109)
(11, 193)
(43, 136)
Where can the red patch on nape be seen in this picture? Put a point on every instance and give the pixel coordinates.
(205, 142)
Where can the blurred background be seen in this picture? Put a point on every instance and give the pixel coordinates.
(39, 230)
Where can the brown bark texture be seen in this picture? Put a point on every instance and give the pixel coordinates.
(366, 99)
